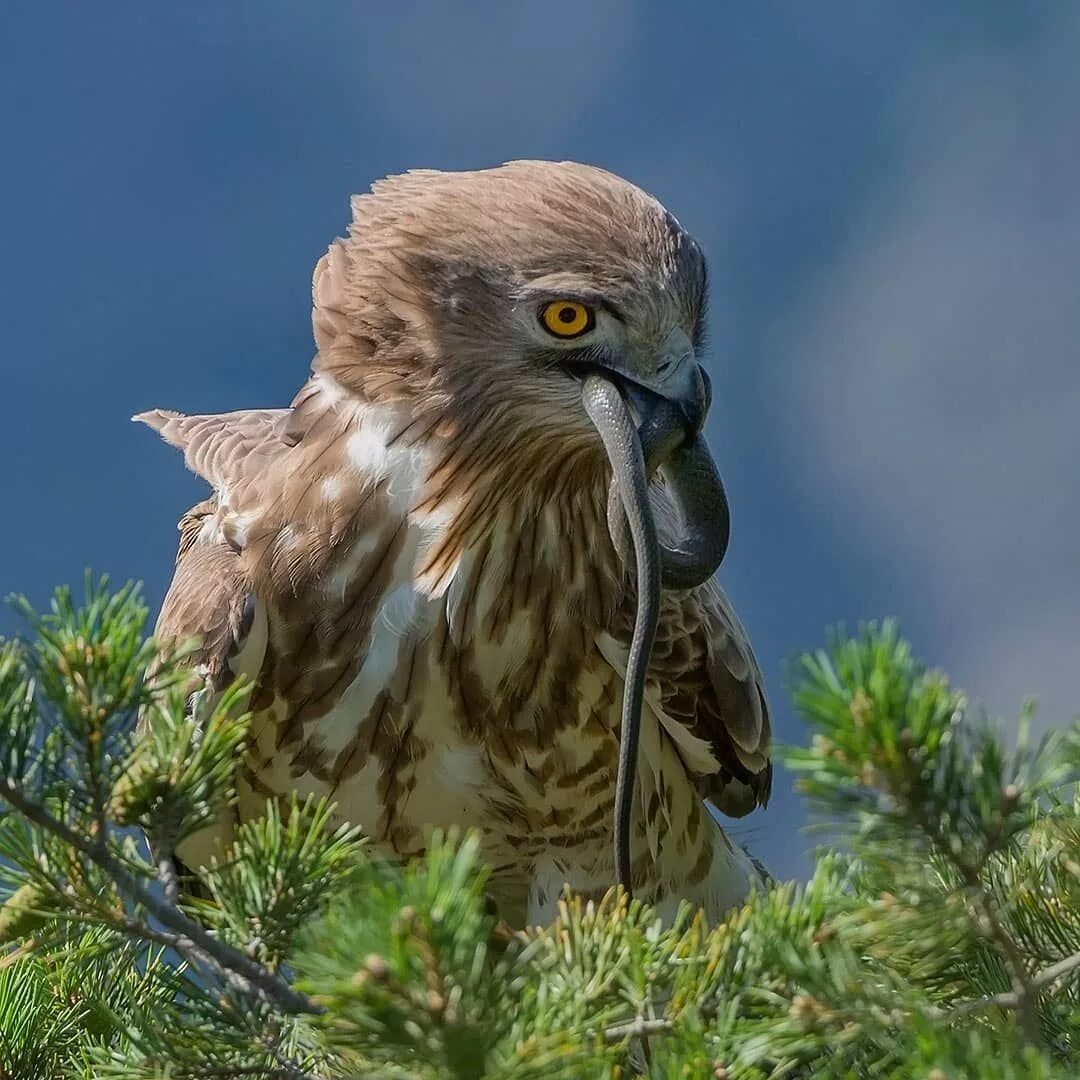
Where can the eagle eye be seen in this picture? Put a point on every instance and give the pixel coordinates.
(567, 318)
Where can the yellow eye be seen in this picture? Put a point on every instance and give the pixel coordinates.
(566, 318)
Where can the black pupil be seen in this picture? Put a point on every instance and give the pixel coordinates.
(567, 315)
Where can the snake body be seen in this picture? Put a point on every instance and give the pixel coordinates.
(699, 493)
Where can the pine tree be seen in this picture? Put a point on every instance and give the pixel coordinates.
(938, 938)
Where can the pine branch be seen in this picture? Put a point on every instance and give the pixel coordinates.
(1011, 999)
(935, 946)
(162, 842)
(1022, 994)
(638, 1029)
(188, 937)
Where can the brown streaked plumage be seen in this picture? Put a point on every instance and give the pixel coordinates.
(413, 560)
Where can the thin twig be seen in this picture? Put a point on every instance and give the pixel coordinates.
(637, 1029)
(260, 1072)
(191, 940)
(25, 949)
(1027, 1016)
(166, 872)
(1009, 999)
(289, 1068)
(161, 849)
(1055, 971)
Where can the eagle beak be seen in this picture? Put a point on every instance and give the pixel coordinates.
(673, 387)
(671, 402)
(689, 390)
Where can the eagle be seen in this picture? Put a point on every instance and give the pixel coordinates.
(417, 567)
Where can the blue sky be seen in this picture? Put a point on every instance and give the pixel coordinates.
(887, 193)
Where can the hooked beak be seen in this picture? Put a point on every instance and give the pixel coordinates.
(671, 401)
(676, 379)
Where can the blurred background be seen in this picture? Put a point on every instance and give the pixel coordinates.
(889, 195)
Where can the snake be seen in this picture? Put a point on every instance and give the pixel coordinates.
(634, 454)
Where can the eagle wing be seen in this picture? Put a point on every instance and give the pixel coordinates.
(209, 601)
(707, 681)
(706, 694)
